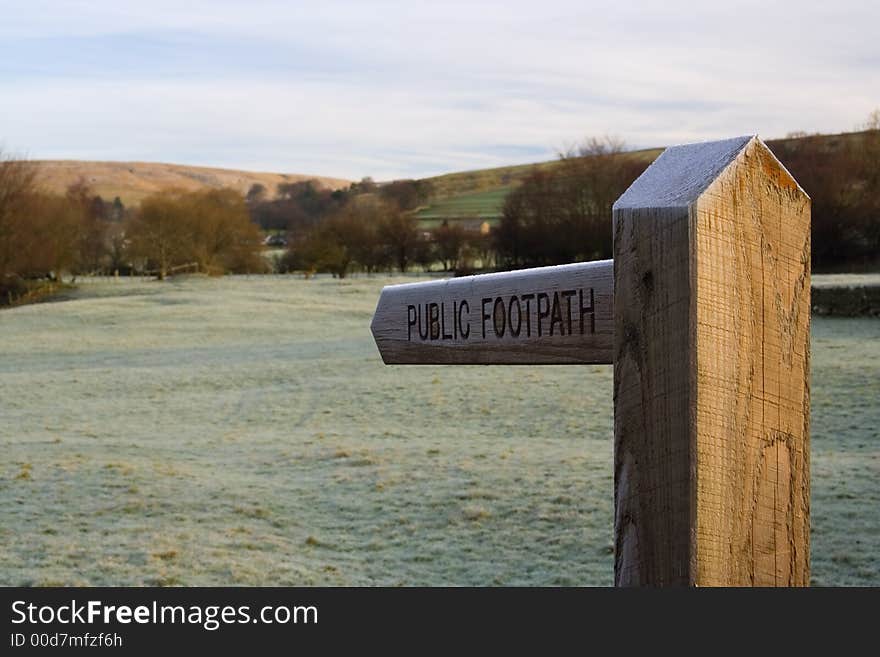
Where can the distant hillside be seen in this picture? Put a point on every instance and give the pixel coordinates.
(480, 194)
(132, 181)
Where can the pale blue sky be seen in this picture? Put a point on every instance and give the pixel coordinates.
(399, 89)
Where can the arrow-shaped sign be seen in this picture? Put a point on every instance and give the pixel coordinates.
(542, 316)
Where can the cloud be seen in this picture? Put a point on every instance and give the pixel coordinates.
(394, 89)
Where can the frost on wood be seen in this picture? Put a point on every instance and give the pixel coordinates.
(681, 174)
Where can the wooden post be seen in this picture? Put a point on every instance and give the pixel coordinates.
(711, 371)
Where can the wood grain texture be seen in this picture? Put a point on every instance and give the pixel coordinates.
(541, 316)
(711, 377)
(653, 477)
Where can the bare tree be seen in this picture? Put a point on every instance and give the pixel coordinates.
(400, 232)
(424, 253)
(220, 236)
(840, 175)
(117, 247)
(157, 233)
(18, 188)
(57, 227)
(592, 175)
(563, 214)
(347, 238)
(407, 194)
(92, 230)
(450, 240)
(210, 228)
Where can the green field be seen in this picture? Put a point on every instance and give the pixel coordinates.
(481, 192)
(485, 206)
(244, 431)
(479, 180)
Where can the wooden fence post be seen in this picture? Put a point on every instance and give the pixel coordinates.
(711, 371)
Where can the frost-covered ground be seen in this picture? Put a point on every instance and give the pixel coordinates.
(244, 431)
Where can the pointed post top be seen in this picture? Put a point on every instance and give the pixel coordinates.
(682, 173)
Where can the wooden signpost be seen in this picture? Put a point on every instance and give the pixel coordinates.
(705, 315)
(547, 315)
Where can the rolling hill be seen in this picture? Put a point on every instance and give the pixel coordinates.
(132, 181)
(476, 194)
(480, 194)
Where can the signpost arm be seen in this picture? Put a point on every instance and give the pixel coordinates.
(544, 316)
(711, 371)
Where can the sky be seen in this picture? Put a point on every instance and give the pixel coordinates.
(410, 89)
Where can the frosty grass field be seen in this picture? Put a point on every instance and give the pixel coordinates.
(244, 431)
